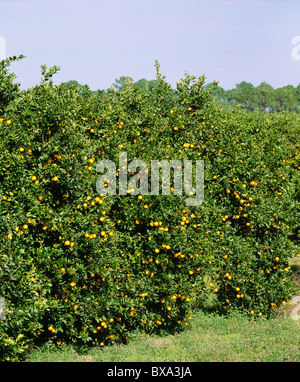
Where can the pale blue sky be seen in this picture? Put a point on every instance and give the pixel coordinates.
(97, 41)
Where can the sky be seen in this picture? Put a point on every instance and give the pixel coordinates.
(97, 41)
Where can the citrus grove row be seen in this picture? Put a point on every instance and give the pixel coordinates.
(83, 268)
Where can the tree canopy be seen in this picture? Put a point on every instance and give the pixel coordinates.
(262, 97)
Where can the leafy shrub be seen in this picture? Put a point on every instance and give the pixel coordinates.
(84, 268)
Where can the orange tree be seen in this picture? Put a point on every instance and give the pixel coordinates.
(80, 267)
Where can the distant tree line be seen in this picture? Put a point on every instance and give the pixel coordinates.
(263, 97)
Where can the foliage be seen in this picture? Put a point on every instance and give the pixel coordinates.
(263, 97)
(143, 84)
(77, 267)
(8, 89)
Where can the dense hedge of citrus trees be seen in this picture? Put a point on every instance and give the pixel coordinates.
(79, 267)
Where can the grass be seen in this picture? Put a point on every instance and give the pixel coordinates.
(209, 338)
